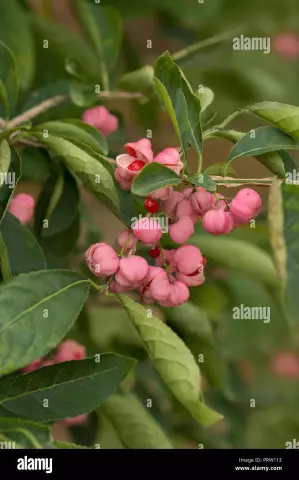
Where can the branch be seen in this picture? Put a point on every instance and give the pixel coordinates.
(55, 101)
(239, 182)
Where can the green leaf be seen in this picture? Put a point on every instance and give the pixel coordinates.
(264, 140)
(57, 204)
(25, 433)
(103, 30)
(62, 43)
(93, 174)
(201, 180)
(48, 304)
(13, 19)
(172, 359)
(77, 132)
(153, 177)
(5, 157)
(141, 80)
(206, 97)
(220, 169)
(88, 382)
(67, 445)
(83, 95)
(283, 116)
(61, 244)
(23, 252)
(290, 194)
(274, 161)
(133, 423)
(181, 103)
(8, 81)
(235, 253)
(11, 180)
(276, 224)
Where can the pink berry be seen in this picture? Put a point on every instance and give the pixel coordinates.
(147, 230)
(162, 193)
(134, 269)
(217, 222)
(202, 201)
(79, 420)
(170, 157)
(125, 184)
(102, 259)
(188, 259)
(123, 238)
(179, 293)
(22, 207)
(35, 365)
(184, 209)
(286, 364)
(99, 117)
(160, 287)
(193, 280)
(69, 350)
(170, 204)
(182, 230)
(142, 150)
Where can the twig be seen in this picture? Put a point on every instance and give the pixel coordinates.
(55, 101)
(239, 182)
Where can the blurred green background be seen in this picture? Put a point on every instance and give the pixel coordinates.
(240, 376)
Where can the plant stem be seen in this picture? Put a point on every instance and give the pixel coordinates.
(55, 101)
(238, 182)
(207, 42)
(230, 118)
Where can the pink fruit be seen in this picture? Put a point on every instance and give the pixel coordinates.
(170, 157)
(162, 193)
(202, 201)
(69, 350)
(182, 230)
(184, 209)
(142, 150)
(179, 293)
(160, 287)
(100, 118)
(217, 222)
(79, 420)
(147, 230)
(102, 259)
(35, 365)
(22, 207)
(133, 269)
(286, 364)
(188, 259)
(192, 280)
(287, 45)
(170, 204)
(123, 239)
(125, 184)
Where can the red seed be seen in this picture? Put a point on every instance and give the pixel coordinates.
(136, 165)
(154, 252)
(204, 261)
(151, 205)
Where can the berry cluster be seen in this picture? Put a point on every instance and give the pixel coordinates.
(176, 270)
